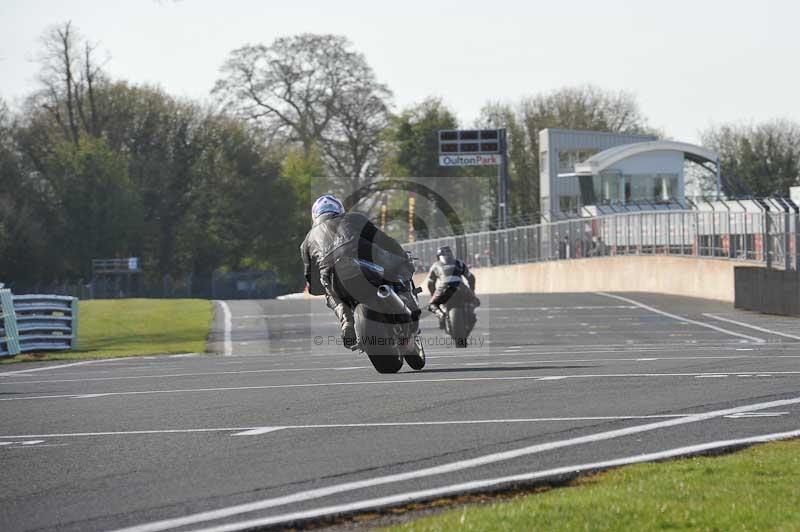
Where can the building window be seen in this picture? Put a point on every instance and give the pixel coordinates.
(567, 159)
(568, 204)
(665, 188)
(607, 189)
(651, 188)
(543, 166)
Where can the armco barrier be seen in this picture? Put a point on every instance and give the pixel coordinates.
(38, 323)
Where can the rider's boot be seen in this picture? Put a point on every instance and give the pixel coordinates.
(439, 312)
(442, 318)
(345, 315)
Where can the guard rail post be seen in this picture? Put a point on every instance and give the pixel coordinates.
(74, 307)
(8, 324)
(787, 228)
(797, 241)
(767, 243)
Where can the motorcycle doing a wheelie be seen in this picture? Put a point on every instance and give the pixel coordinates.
(386, 313)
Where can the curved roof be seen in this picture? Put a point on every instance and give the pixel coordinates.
(606, 158)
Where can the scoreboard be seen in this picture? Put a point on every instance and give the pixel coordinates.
(470, 147)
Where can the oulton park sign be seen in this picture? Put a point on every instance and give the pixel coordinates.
(470, 160)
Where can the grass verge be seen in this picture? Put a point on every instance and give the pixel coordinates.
(135, 327)
(755, 489)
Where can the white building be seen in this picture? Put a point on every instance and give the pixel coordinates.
(589, 172)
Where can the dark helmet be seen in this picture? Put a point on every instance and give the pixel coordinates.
(445, 254)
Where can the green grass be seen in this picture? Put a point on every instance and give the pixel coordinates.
(755, 489)
(133, 327)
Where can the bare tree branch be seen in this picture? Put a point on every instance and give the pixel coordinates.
(320, 91)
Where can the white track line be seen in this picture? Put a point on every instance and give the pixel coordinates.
(580, 307)
(57, 366)
(394, 382)
(259, 431)
(478, 485)
(451, 467)
(687, 320)
(276, 316)
(227, 318)
(349, 368)
(196, 374)
(747, 325)
(251, 431)
(699, 345)
(493, 354)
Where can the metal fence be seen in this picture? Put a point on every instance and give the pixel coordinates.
(37, 323)
(767, 237)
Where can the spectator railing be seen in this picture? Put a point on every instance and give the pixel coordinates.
(766, 237)
(33, 323)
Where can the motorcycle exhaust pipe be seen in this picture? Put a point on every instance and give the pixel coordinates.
(391, 301)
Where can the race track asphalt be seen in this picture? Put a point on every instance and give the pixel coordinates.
(291, 426)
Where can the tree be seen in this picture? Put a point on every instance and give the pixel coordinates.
(96, 168)
(583, 107)
(23, 236)
(522, 161)
(304, 173)
(69, 76)
(758, 159)
(415, 137)
(353, 143)
(98, 209)
(243, 214)
(315, 91)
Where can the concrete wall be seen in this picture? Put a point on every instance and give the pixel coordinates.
(768, 291)
(685, 276)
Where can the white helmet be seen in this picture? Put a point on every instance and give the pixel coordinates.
(326, 203)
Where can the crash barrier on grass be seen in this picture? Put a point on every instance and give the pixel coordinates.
(37, 323)
(768, 291)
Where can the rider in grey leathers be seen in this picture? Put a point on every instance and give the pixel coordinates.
(444, 279)
(335, 235)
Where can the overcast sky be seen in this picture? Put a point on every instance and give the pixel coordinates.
(690, 63)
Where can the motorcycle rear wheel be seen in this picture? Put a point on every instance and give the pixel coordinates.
(386, 363)
(458, 326)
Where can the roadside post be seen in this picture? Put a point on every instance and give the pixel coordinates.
(8, 324)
